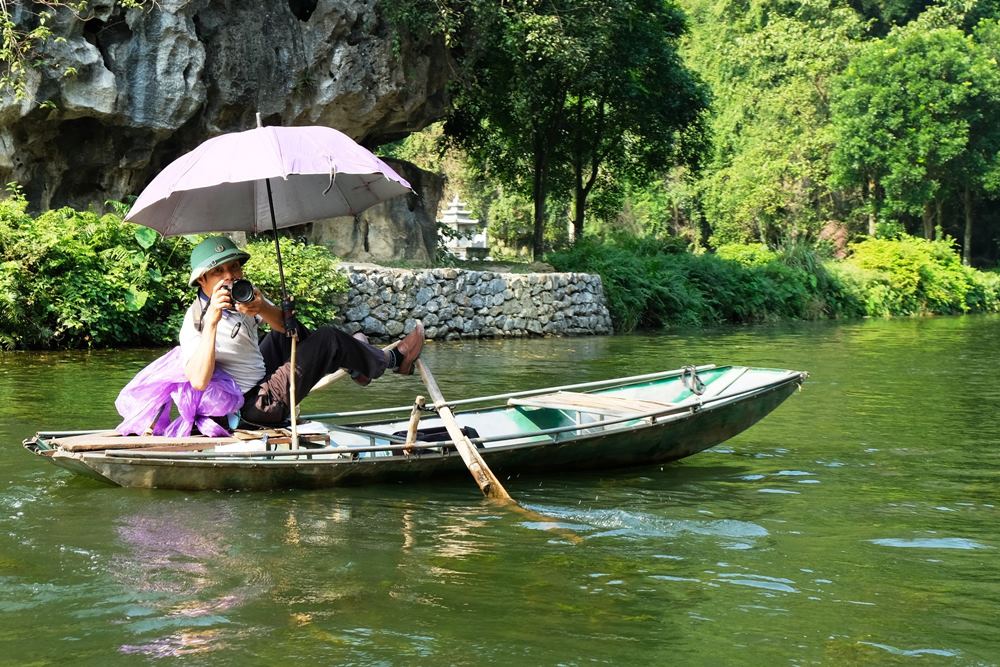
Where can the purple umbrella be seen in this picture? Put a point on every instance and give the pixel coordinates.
(222, 185)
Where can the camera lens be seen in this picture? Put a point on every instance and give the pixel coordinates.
(242, 291)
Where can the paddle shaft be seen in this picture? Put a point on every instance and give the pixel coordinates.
(481, 473)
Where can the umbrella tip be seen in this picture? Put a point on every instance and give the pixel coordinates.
(259, 124)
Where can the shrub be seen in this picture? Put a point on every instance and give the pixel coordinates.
(650, 283)
(311, 277)
(71, 279)
(76, 278)
(750, 254)
(914, 276)
(647, 283)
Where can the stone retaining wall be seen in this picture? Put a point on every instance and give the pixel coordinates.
(456, 303)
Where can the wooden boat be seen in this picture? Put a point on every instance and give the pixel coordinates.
(630, 421)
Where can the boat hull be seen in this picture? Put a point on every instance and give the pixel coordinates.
(651, 441)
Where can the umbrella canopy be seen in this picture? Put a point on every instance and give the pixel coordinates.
(222, 185)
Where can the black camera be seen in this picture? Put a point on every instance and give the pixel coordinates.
(241, 290)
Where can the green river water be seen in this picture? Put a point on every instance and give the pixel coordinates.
(859, 524)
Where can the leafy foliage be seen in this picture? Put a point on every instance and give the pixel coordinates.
(649, 284)
(908, 113)
(549, 92)
(79, 279)
(71, 279)
(311, 277)
(769, 64)
(750, 255)
(914, 276)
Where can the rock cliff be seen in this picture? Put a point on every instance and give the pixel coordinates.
(401, 228)
(152, 84)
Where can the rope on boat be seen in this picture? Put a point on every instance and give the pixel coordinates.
(693, 383)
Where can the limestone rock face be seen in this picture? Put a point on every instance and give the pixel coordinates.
(401, 228)
(152, 84)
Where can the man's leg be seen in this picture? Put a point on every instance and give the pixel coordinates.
(276, 348)
(324, 351)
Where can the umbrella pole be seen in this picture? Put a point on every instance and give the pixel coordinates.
(277, 248)
(291, 397)
(286, 316)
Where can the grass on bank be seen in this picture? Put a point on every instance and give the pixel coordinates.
(654, 284)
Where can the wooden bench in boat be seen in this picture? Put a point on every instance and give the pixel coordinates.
(111, 440)
(600, 404)
(104, 440)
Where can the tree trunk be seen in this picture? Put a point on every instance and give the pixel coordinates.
(939, 218)
(583, 188)
(538, 195)
(578, 210)
(967, 237)
(871, 192)
(928, 220)
(580, 204)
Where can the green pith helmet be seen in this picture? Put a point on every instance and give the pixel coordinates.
(212, 252)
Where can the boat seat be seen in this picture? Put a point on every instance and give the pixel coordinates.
(111, 440)
(601, 404)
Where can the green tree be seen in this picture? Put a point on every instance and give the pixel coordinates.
(517, 65)
(555, 89)
(637, 108)
(914, 115)
(769, 64)
(978, 172)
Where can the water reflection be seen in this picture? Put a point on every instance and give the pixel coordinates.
(180, 561)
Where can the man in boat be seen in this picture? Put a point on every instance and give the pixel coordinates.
(220, 332)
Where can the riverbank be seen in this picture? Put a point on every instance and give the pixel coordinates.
(77, 279)
(652, 283)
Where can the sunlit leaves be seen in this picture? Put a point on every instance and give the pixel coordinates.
(915, 114)
(145, 237)
(769, 64)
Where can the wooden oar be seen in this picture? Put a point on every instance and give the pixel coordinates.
(487, 481)
(480, 471)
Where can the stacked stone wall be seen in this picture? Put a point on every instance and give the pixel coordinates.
(455, 303)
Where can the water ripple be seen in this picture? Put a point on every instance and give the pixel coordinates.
(930, 543)
(637, 524)
(913, 652)
(759, 581)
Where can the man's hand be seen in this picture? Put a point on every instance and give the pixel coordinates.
(269, 312)
(254, 306)
(220, 301)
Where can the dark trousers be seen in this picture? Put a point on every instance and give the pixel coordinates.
(319, 353)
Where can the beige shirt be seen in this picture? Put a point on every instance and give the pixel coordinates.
(236, 350)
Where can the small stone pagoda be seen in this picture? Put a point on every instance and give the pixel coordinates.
(471, 240)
